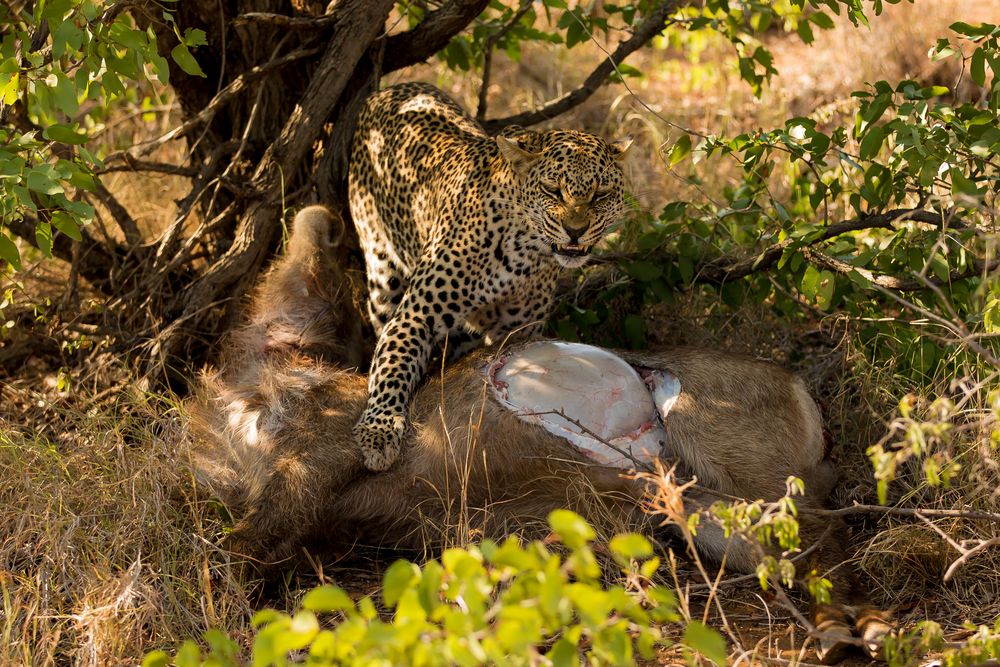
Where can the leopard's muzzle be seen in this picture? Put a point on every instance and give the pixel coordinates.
(571, 255)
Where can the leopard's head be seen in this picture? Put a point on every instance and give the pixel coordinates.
(571, 187)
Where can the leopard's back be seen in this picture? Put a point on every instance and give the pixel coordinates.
(414, 149)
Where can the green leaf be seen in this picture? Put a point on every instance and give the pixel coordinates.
(220, 644)
(194, 37)
(43, 237)
(969, 30)
(65, 94)
(55, 10)
(161, 67)
(156, 659)
(706, 641)
(8, 251)
(129, 37)
(822, 20)
(810, 282)
(977, 66)
(859, 279)
(965, 191)
(623, 71)
(872, 111)
(680, 150)
(872, 142)
(66, 36)
(188, 655)
(397, 579)
(642, 270)
(66, 224)
(266, 617)
(673, 210)
(571, 528)
(563, 653)
(631, 545)
(805, 32)
(827, 287)
(327, 598)
(185, 60)
(429, 588)
(39, 180)
(939, 266)
(65, 134)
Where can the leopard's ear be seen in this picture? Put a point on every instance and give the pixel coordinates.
(518, 158)
(620, 148)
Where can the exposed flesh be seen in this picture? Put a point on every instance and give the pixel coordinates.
(587, 395)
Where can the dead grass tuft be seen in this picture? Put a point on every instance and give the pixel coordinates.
(105, 551)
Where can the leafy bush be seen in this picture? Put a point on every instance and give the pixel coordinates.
(504, 603)
(891, 211)
(59, 96)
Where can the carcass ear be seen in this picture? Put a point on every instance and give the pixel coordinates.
(518, 158)
(620, 148)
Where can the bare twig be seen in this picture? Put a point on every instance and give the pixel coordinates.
(361, 22)
(668, 502)
(967, 548)
(132, 164)
(724, 270)
(121, 215)
(285, 21)
(235, 87)
(199, 234)
(171, 237)
(488, 47)
(639, 465)
(753, 576)
(968, 553)
(972, 515)
(957, 327)
(650, 27)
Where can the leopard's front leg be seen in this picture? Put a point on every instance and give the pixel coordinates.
(401, 356)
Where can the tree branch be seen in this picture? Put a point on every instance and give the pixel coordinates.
(722, 272)
(359, 22)
(823, 260)
(430, 35)
(650, 27)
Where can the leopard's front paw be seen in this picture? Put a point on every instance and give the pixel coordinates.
(379, 436)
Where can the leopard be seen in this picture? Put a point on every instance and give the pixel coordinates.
(464, 235)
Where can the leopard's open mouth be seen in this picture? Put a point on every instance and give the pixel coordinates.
(571, 250)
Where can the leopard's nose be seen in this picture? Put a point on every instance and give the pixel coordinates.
(574, 231)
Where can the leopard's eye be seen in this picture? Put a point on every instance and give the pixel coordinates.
(552, 191)
(603, 192)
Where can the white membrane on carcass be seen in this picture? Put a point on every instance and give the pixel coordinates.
(666, 390)
(593, 387)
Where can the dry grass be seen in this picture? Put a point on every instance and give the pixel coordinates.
(106, 552)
